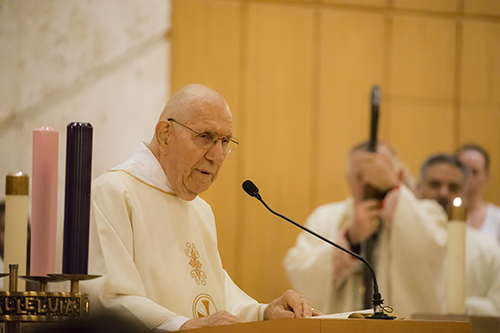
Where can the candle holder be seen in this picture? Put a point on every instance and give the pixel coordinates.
(74, 278)
(41, 280)
(42, 305)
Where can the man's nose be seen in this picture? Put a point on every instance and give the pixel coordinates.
(443, 191)
(216, 153)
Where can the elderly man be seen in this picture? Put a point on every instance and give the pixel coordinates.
(481, 215)
(443, 178)
(154, 240)
(409, 243)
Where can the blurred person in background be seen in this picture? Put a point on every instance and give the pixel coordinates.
(443, 177)
(481, 215)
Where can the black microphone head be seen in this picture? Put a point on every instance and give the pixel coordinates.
(250, 188)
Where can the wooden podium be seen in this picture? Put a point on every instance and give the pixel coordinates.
(480, 324)
(340, 326)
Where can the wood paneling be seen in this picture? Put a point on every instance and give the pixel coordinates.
(277, 139)
(422, 87)
(429, 5)
(480, 94)
(485, 7)
(367, 3)
(423, 58)
(352, 60)
(419, 130)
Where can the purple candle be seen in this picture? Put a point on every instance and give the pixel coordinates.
(77, 198)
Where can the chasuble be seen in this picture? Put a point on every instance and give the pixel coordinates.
(157, 252)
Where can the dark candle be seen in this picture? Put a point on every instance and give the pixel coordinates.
(77, 198)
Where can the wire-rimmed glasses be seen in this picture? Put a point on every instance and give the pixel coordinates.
(207, 139)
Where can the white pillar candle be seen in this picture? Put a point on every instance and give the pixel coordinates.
(16, 225)
(455, 259)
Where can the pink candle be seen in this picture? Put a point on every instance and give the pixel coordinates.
(44, 201)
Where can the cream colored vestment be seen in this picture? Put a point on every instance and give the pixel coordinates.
(157, 252)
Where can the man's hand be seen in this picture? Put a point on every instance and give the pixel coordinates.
(217, 319)
(290, 305)
(365, 221)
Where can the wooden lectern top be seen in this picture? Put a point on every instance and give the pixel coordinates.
(341, 325)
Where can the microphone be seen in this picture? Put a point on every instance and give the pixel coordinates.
(378, 308)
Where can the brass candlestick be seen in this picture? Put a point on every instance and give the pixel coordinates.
(74, 278)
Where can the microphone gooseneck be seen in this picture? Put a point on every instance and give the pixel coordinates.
(378, 309)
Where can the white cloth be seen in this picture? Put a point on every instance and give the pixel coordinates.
(157, 252)
(491, 223)
(482, 275)
(409, 264)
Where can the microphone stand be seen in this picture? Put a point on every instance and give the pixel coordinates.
(377, 301)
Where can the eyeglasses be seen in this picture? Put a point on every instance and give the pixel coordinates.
(207, 139)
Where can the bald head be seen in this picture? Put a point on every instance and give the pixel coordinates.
(189, 99)
(383, 147)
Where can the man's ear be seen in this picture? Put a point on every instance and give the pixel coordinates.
(162, 131)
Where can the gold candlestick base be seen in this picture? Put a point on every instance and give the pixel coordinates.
(74, 278)
(41, 280)
(42, 306)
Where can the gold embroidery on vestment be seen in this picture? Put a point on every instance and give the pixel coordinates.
(197, 273)
(203, 305)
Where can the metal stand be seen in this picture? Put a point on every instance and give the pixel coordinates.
(42, 306)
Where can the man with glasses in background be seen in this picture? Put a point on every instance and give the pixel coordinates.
(154, 239)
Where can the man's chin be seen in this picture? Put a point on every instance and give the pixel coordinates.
(198, 188)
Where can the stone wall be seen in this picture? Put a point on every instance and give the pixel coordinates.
(106, 62)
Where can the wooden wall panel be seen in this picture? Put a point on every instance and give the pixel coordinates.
(352, 60)
(277, 139)
(367, 3)
(422, 87)
(423, 58)
(419, 130)
(206, 39)
(480, 94)
(430, 5)
(484, 7)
